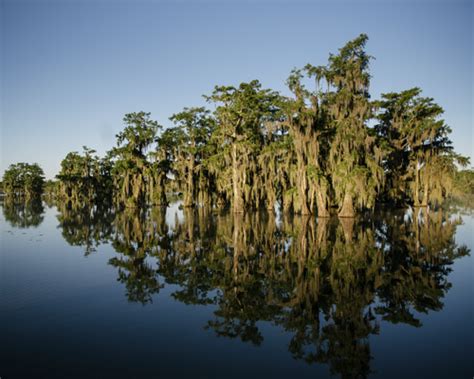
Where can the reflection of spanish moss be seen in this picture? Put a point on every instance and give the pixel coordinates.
(21, 213)
(137, 233)
(324, 281)
(422, 248)
(87, 226)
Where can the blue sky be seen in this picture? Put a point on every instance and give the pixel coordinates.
(71, 69)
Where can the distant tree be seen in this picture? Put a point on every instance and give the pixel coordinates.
(162, 158)
(241, 113)
(420, 162)
(51, 187)
(84, 177)
(131, 170)
(23, 180)
(193, 130)
(464, 184)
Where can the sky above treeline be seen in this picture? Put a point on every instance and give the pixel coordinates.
(71, 69)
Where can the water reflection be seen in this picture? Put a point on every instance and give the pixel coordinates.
(23, 214)
(327, 282)
(85, 226)
(137, 234)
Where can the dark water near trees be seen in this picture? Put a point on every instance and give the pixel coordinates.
(94, 293)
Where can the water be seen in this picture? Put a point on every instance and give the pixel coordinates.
(94, 293)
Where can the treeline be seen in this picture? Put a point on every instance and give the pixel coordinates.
(23, 180)
(326, 149)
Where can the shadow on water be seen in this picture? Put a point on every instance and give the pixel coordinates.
(327, 282)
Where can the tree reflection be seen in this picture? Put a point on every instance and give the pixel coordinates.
(327, 282)
(86, 226)
(136, 234)
(21, 213)
(419, 250)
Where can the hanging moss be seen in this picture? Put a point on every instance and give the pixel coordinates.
(314, 152)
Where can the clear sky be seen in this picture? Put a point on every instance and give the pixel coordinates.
(71, 69)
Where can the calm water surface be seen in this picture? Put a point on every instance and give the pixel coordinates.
(172, 293)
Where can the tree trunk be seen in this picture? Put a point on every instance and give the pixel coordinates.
(347, 209)
(189, 193)
(271, 200)
(160, 190)
(287, 202)
(416, 201)
(424, 202)
(238, 203)
(322, 206)
(302, 187)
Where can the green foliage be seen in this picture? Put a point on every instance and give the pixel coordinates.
(191, 153)
(84, 177)
(242, 114)
(133, 177)
(419, 160)
(23, 180)
(463, 186)
(354, 157)
(316, 151)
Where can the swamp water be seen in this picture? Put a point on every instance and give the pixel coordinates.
(174, 293)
